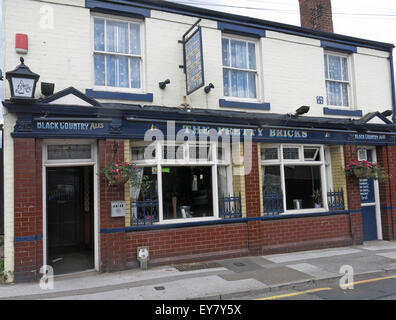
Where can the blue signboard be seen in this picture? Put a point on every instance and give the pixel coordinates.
(366, 190)
(101, 128)
(193, 62)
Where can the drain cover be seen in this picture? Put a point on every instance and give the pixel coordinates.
(159, 288)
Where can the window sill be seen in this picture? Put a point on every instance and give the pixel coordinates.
(118, 95)
(184, 223)
(244, 105)
(342, 112)
(312, 213)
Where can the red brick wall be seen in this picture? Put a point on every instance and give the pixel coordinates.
(316, 14)
(28, 208)
(112, 245)
(386, 157)
(353, 189)
(189, 244)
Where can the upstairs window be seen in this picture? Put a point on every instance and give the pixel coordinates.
(337, 80)
(117, 53)
(239, 68)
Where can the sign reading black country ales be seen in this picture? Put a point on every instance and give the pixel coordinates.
(69, 125)
(193, 62)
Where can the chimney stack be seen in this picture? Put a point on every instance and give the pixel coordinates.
(316, 15)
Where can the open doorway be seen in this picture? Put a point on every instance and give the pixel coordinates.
(70, 222)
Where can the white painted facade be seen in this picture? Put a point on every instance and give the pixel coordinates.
(291, 68)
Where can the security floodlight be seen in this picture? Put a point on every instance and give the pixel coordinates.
(302, 110)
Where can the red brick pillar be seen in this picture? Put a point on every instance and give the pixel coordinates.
(354, 204)
(252, 191)
(112, 230)
(28, 214)
(386, 157)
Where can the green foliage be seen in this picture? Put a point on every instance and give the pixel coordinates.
(366, 169)
(118, 174)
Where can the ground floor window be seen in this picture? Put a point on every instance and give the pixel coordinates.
(187, 181)
(293, 178)
(187, 192)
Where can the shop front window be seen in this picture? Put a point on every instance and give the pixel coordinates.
(294, 180)
(183, 179)
(187, 192)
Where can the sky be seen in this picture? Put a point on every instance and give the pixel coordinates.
(368, 19)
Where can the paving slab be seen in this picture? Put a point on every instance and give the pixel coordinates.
(279, 275)
(378, 245)
(306, 255)
(313, 271)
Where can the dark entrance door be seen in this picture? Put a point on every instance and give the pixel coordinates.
(69, 219)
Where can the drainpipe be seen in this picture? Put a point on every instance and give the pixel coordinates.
(390, 193)
(392, 84)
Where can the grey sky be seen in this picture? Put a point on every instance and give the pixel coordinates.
(374, 20)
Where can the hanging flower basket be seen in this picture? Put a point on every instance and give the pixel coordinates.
(117, 174)
(366, 169)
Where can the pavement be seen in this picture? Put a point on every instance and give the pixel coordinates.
(220, 279)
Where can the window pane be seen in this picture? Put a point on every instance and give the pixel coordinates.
(117, 36)
(199, 152)
(333, 93)
(117, 71)
(335, 68)
(242, 84)
(137, 153)
(272, 190)
(226, 52)
(252, 84)
(69, 151)
(144, 202)
(300, 184)
(134, 38)
(269, 154)
(252, 56)
(99, 34)
(222, 181)
(344, 69)
(187, 192)
(345, 100)
(238, 54)
(99, 62)
(170, 152)
(135, 72)
(226, 82)
(311, 154)
(290, 153)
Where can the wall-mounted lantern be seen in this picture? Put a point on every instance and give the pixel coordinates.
(22, 83)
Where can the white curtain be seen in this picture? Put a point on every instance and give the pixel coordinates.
(134, 192)
(222, 181)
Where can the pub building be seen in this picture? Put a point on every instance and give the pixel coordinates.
(251, 162)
